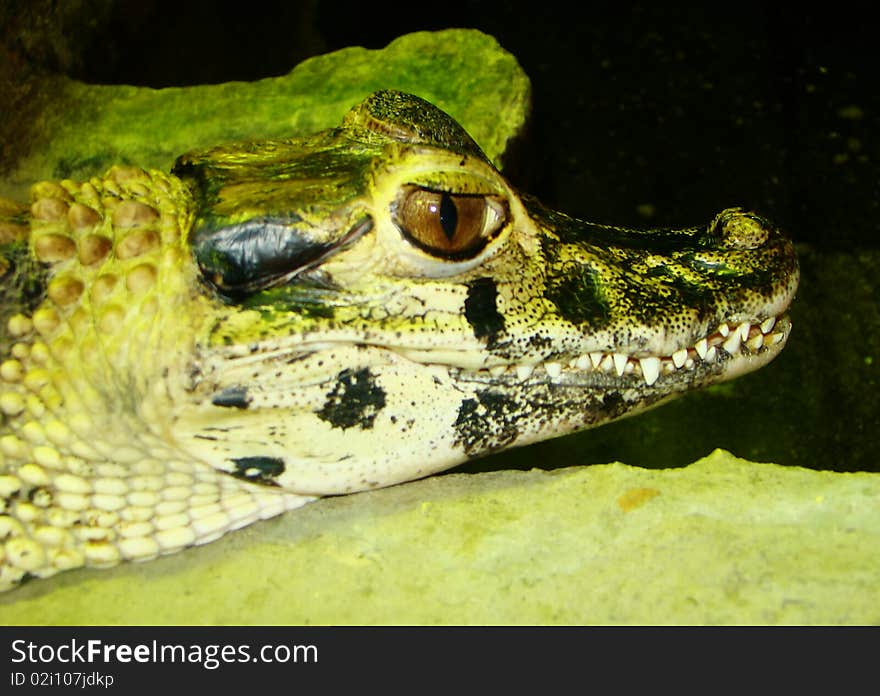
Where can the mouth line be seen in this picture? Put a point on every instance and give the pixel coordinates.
(727, 350)
(725, 343)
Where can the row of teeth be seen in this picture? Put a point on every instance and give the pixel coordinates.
(650, 368)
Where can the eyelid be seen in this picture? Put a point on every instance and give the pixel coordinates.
(261, 253)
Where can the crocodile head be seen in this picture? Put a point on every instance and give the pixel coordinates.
(281, 320)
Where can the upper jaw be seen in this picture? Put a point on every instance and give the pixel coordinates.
(657, 332)
(724, 353)
(732, 327)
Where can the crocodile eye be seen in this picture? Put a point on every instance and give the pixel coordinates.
(450, 225)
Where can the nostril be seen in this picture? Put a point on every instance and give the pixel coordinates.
(737, 229)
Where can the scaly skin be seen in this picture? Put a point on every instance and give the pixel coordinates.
(187, 353)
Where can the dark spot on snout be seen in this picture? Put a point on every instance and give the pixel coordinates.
(354, 400)
(258, 469)
(232, 397)
(578, 296)
(487, 423)
(481, 310)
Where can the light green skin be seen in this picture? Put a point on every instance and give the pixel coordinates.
(152, 402)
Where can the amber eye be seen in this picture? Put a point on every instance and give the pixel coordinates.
(451, 225)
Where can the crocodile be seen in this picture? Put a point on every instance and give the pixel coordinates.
(185, 353)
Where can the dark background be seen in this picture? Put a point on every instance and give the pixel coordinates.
(679, 108)
(643, 114)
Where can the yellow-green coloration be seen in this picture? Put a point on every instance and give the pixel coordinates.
(723, 541)
(84, 482)
(281, 320)
(83, 129)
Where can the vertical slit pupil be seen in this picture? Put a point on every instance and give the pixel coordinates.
(448, 216)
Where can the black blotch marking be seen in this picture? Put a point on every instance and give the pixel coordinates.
(486, 424)
(232, 397)
(578, 296)
(539, 343)
(260, 470)
(354, 400)
(613, 405)
(481, 310)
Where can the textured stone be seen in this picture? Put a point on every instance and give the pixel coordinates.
(722, 541)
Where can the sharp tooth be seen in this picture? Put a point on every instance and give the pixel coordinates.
(583, 362)
(523, 372)
(689, 364)
(773, 339)
(755, 342)
(731, 345)
(744, 330)
(650, 369)
(701, 347)
(679, 356)
(723, 329)
(498, 370)
(607, 363)
(554, 369)
(711, 354)
(620, 363)
(768, 324)
(596, 358)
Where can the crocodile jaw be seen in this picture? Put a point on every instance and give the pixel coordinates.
(569, 326)
(383, 415)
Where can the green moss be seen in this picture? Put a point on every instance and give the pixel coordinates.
(82, 129)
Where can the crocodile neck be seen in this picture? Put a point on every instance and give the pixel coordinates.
(96, 353)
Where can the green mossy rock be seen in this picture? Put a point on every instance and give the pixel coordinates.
(723, 541)
(81, 130)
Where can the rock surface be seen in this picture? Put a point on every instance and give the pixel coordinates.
(723, 541)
